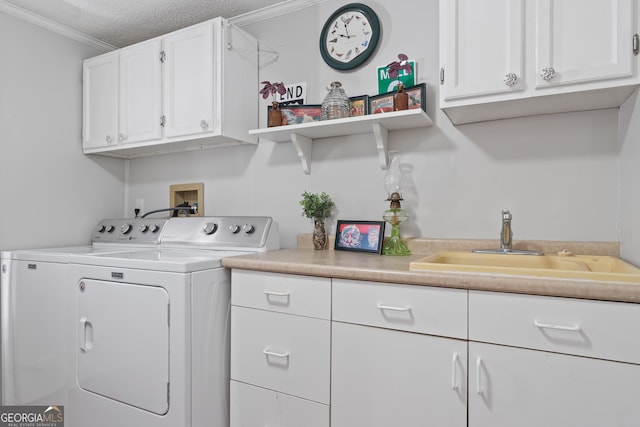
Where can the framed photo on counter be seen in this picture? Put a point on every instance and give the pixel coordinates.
(360, 236)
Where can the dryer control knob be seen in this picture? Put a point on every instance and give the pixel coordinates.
(248, 228)
(155, 228)
(101, 228)
(126, 229)
(110, 228)
(210, 228)
(234, 228)
(144, 228)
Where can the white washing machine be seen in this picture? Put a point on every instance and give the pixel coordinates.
(36, 311)
(152, 326)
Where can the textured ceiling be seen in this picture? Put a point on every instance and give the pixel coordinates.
(124, 22)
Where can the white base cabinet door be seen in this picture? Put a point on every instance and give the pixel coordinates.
(529, 388)
(383, 378)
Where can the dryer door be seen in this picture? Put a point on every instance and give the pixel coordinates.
(123, 343)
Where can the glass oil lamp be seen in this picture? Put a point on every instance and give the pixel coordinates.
(395, 215)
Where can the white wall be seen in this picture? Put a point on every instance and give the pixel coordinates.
(558, 174)
(50, 193)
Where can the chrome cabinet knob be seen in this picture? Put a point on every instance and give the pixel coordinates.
(510, 79)
(547, 73)
(204, 124)
(109, 139)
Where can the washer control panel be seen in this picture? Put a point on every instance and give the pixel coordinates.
(133, 230)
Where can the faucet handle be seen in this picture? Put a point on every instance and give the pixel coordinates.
(506, 215)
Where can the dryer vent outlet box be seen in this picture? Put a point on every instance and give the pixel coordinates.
(190, 193)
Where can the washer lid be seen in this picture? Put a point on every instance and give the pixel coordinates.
(172, 260)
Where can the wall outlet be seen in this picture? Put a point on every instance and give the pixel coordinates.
(140, 206)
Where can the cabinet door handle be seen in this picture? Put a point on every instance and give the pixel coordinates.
(268, 352)
(276, 294)
(478, 375)
(454, 366)
(392, 308)
(542, 325)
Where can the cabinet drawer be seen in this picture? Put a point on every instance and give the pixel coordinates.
(256, 406)
(422, 309)
(601, 329)
(285, 293)
(281, 352)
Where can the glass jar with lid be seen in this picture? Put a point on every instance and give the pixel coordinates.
(336, 104)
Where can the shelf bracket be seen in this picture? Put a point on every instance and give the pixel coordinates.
(303, 147)
(381, 135)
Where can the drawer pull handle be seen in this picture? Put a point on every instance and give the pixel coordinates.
(276, 294)
(454, 378)
(542, 325)
(274, 354)
(392, 308)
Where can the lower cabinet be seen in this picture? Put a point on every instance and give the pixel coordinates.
(529, 388)
(381, 378)
(280, 350)
(320, 352)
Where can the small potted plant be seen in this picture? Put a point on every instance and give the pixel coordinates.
(317, 207)
(275, 115)
(400, 99)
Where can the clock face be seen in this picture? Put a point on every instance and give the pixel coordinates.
(349, 36)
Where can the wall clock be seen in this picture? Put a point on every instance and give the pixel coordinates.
(350, 36)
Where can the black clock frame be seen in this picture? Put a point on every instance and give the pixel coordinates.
(373, 44)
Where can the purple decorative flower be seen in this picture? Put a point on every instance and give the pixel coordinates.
(396, 66)
(271, 89)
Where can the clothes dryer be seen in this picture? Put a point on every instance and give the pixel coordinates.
(152, 326)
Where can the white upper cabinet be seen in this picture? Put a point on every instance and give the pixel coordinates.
(583, 42)
(484, 50)
(188, 83)
(140, 95)
(186, 90)
(100, 100)
(511, 58)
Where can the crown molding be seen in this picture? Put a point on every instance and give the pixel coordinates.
(38, 20)
(272, 11)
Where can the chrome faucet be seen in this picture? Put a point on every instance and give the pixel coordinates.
(506, 240)
(506, 234)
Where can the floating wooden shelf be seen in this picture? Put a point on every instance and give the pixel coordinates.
(302, 135)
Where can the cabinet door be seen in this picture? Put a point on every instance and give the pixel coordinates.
(529, 388)
(580, 41)
(188, 81)
(100, 101)
(140, 93)
(382, 378)
(481, 44)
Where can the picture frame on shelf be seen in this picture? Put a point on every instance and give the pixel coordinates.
(359, 236)
(381, 103)
(296, 114)
(359, 105)
(417, 96)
